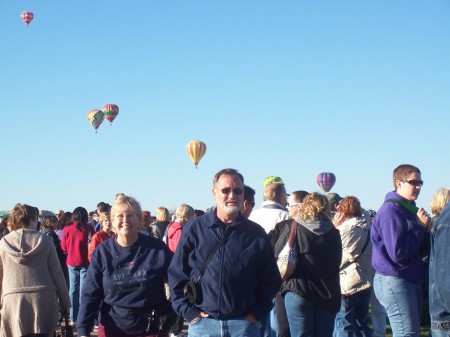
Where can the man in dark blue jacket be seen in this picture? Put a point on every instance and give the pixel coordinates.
(241, 278)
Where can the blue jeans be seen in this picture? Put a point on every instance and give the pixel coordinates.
(279, 324)
(378, 316)
(76, 280)
(437, 331)
(439, 283)
(210, 327)
(353, 315)
(403, 303)
(306, 320)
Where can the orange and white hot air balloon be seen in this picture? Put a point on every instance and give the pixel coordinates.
(196, 149)
(27, 17)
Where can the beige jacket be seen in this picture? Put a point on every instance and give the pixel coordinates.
(32, 284)
(355, 276)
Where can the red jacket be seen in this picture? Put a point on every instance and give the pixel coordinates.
(174, 234)
(97, 239)
(75, 243)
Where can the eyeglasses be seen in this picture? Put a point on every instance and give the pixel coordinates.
(290, 205)
(121, 217)
(228, 190)
(414, 182)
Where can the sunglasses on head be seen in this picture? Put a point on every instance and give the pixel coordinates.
(228, 190)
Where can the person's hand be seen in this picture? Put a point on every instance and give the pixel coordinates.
(338, 219)
(424, 219)
(249, 317)
(200, 316)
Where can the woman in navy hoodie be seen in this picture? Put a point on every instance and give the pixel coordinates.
(126, 280)
(398, 231)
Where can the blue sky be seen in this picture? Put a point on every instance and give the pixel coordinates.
(286, 88)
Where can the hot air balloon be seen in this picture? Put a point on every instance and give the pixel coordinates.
(326, 181)
(27, 17)
(111, 111)
(196, 149)
(96, 117)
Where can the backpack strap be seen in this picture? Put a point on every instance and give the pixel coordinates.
(405, 205)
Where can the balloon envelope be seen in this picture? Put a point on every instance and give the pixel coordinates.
(196, 149)
(27, 17)
(111, 111)
(326, 181)
(96, 117)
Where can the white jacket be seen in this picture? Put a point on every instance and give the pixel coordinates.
(355, 276)
(269, 215)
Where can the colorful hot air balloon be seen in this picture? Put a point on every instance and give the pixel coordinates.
(196, 149)
(326, 181)
(111, 111)
(96, 117)
(27, 17)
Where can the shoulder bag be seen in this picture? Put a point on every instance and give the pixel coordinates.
(287, 259)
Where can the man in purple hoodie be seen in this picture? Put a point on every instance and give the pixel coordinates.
(398, 231)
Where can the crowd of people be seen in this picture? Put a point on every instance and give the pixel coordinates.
(120, 272)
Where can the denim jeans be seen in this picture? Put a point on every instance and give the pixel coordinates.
(378, 316)
(353, 315)
(76, 278)
(439, 282)
(210, 327)
(403, 303)
(279, 324)
(305, 319)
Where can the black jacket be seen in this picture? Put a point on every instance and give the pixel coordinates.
(316, 276)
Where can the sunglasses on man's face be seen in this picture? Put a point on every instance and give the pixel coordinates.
(228, 190)
(414, 182)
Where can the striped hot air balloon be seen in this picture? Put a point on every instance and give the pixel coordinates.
(27, 17)
(111, 111)
(95, 117)
(326, 181)
(196, 149)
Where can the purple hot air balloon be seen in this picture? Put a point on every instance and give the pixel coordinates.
(326, 181)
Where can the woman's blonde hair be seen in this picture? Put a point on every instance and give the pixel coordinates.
(162, 214)
(104, 216)
(440, 198)
(315, 206)
(122, 199)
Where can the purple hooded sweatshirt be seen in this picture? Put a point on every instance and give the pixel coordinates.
(396, 239)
